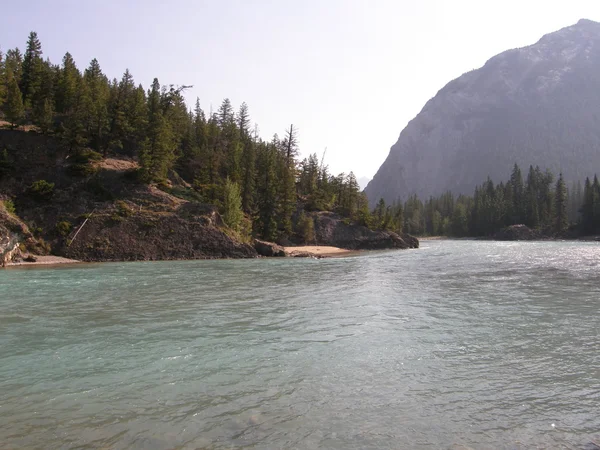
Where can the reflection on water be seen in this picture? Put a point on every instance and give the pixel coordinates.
(482, 344)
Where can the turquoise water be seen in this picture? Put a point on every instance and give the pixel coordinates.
(481, 344)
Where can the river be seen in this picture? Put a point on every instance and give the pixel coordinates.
(457, 344)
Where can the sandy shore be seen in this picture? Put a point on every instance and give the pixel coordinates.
(44, 261)
(319, 250)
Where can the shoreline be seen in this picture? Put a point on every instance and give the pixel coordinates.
(323, 251)
(48, 260)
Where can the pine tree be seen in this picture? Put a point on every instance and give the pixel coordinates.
(43, 100)
(13, 107)
(562, 221)
(587, 209)
(267, 202)
(291, 144)
(232, 205)
(32, 69)
(2, 81)
(249, 176)
(460, 222)
(225, 114)
(517, 207)
(243, 119)
(379, 213)
(99, 92)
(13, 64)
(66, 89)
(156, 155)
(44, 115)
(75, 124)
(596, 205)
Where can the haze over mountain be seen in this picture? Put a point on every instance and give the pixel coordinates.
(535, 105)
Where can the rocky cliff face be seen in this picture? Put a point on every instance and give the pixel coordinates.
(536, 105)
(98, 212)
(333, 230)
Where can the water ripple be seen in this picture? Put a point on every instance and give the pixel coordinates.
(458, 344)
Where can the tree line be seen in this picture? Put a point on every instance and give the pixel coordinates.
(261, 186)
(540, 201)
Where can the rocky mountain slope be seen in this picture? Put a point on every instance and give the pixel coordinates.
(90, 208)
(536, 105)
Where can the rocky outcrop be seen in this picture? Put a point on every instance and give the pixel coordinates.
(269, 249)
(517, 233)
(167, 228)
(536, 105)
(331, 229)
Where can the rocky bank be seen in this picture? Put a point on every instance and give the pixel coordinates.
(90, 208)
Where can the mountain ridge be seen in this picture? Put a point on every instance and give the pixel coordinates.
(537, 105)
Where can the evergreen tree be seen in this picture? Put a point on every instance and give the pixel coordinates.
(75, 123)
(460, 222)
(2, 81)
(232, 205)
(266, 190)
(44, 115)
(517, 210)
(43, 100)
(587, 209)
(97, 83)
(66, 89)
(13, 107)
(157, 154)
(13, 64)
(225, 114)
(306, 227)
(32, 69)
(596, 205)
(562, 222)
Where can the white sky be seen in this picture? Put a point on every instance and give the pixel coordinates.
(349, 74)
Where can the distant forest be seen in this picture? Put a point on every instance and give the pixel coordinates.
(541, 202)
(261, 187)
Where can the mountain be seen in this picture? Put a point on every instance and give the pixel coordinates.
(362, 182)
(535, 105)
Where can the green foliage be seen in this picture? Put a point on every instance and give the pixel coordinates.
(82, 170)
(232, 205)
(81, 163)
(537, 203)
(31, 78)
(95, 187)
(64, 227)
(13, 106)
(560, 199)
(41, 190)
(9, 206)
(306, 228)
(6, 165)
(217, 154)
(123, 209)
(2, 80)
(86, 156)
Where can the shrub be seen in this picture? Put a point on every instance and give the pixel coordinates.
(5, 164)
(95, 187)
(64, 228)
(81, 170)
(41, 189)
(9, 206)
(86, 156)
(123, 208)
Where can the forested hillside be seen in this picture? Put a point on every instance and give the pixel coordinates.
(260, 186)
(541, 201)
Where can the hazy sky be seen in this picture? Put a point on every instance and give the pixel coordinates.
(349, 74)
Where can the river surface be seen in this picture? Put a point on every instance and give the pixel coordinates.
(459, 343)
